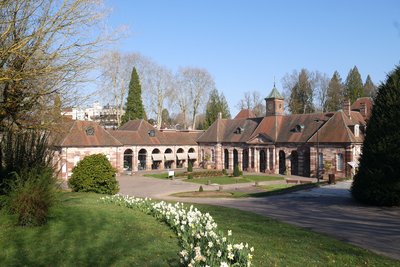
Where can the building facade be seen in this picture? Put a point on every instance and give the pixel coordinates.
(297, 144)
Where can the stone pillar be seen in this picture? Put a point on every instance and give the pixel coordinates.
(230, 151)
(256, 160)
(349, 158)
(300, 163)
(149, 161)
(313, 162)
(218, 157)
(267, 159)
(240, 158)
(134, 160)
(250, 159)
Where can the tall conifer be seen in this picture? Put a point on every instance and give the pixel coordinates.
(134, 104)
(335, 93)
(378, 179)
(354, 85)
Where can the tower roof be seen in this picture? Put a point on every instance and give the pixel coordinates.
(275, 94)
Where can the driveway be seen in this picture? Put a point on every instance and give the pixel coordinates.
(329, 210)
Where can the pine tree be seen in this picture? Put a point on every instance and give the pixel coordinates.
(354, 85)
(216, 103)
(335, 93)
(301, 96)
(378, 179)
(134, 104)
(369, 87)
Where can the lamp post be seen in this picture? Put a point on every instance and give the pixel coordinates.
(318, 121)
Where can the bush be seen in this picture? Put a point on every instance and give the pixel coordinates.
(378, 181)
(95, 174)
(236, 171)
(190, 176)
(224, 172)
(201, 189)
(190, 167)
(33, 193)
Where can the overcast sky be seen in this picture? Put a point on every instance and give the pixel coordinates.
(245, 44)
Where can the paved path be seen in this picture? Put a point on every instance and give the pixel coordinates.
(329, 210)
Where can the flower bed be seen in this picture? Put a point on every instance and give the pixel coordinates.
(202, 244)
(196, 174)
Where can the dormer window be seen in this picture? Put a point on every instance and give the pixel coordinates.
(298, 128)
(152, 133)
(356, 130)
(89, 130)
(239, 130)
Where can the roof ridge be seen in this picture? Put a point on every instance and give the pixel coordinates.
(69, 131)
(319, 128)
(348, 132)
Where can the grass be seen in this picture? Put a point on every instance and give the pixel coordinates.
(163, 175)
(280, 244)
(233, 180)
(85, 232)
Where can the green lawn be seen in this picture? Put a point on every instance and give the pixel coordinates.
(233, 180)
(85, 232)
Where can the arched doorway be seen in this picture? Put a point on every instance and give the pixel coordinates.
(245, 160)
(282, 162)
(294, 163)
(192, 156)
(156, 156)
(235, 158)
(226, 159)
(128, 156)
(180, 158)
(263, 159)
(142, 155)
(169, 158)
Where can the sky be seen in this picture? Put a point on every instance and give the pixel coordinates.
(246, 45)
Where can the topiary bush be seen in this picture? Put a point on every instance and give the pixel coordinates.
(95, 174)
(378, 179)
(190, 167)
(236, 171)
(201, 188)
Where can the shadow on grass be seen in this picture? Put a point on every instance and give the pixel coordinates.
(89, 233)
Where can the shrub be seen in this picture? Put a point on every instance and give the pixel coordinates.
(190, 167)
(378, 181)
(33, 193)
(95, 174)
(224, 172)
(201, 189)
(236, 171)
(190, 176)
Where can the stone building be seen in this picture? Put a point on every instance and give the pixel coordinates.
(296, 144)
(289, 144)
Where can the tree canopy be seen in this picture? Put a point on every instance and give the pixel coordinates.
(301, 94)
(216, 104)
(335, 93)
(354, 85)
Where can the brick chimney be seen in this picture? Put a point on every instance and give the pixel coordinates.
(346, 107)
(363, 109)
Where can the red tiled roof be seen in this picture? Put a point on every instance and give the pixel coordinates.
(245, 114)
(75, 135)
(367, 101)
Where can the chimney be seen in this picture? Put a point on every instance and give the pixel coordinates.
(219, 115)
(346, 107)
(363, 109)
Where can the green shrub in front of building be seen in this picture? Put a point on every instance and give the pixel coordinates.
(95, 174)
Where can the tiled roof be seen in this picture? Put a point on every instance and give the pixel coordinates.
(367, 101)
(77, 134)
(245, 114)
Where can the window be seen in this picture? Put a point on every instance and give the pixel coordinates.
(152, 133)
(320, 161)
(339, 162)
(239, 130)
(89, 130)
(356, 130)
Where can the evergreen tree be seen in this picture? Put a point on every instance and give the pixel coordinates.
(57, 108)
(369, 87)
(378, 179)
(335, 93)
(301, 96)
(216, 103)
(354, 85)
(134, 104)
(165, 117)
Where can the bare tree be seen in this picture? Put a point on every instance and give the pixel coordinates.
(321, 90)
(194, 85)
(252, 101)
(46, 47)
(115, 70)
